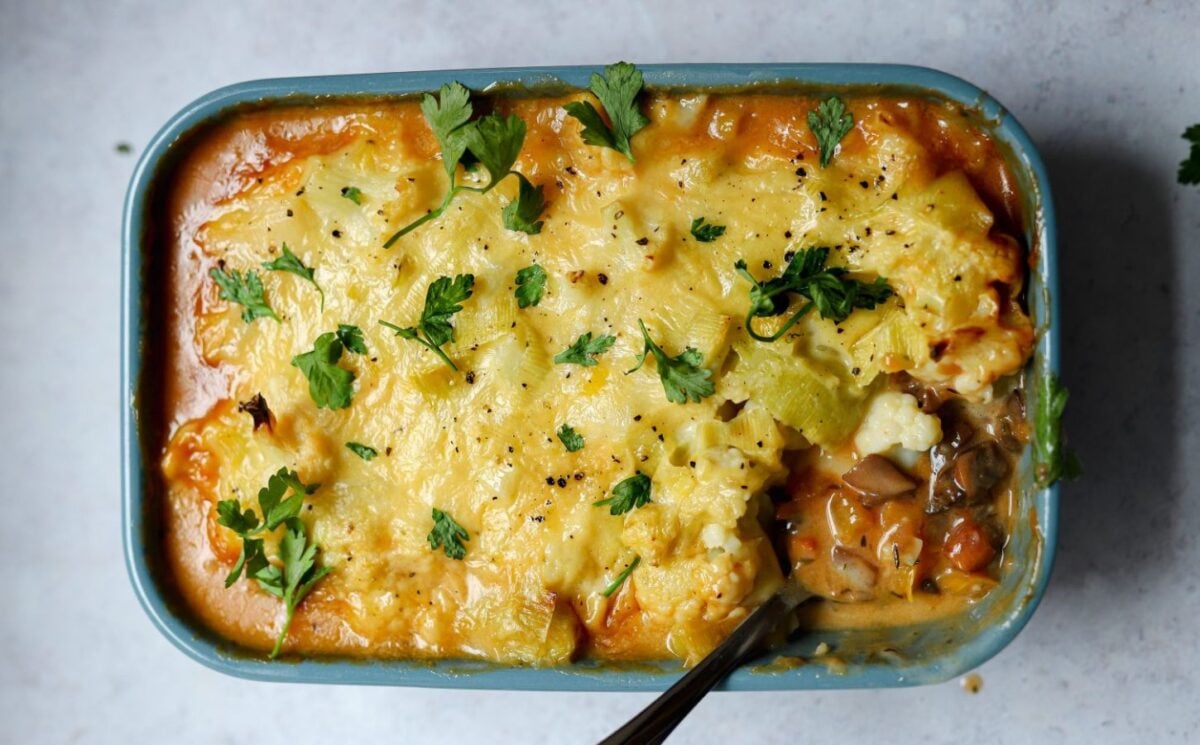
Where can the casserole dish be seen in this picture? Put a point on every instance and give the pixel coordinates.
(895, 656)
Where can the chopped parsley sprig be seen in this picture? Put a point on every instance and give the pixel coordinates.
(706, 232)
(245, 290)
(624, 575)
(830, 291)
(442, 300)
(294, 572)
(584, 350)
(521, 214)
(629, 494)
(493, 141)
(351, 338)
(570, 439)
(829, 124)
(366, 452)
(329, 385)
(682, 376)
(531, 283)
(1052, 459)
(448, 535)
(617, 89)
(289, 263)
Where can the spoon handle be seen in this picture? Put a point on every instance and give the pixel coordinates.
(660, 718)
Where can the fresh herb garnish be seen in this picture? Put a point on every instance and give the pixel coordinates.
(521, 214)
(271, 498)
(531, 283)
(1052, 459)
(441, 301)
(629, 494)
(1189, 168)
(448, 535)
(289, 263)
(296, 572)
(351, 338)
(353, 194)
(493, 141)
(617, 89)
(328, 385)
(829, 124)
(706, 232)
(624, 575)
(584, 350)
(245, 290)
(230, 514)
(830, 291)
(682, 376)
(366, 452)
(571, 440)
(256, 407)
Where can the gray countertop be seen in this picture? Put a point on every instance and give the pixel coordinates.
(1105, 88)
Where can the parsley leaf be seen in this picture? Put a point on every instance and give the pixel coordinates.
(295, 578)
(571, 440)
(289, 263)
(829, 124)
(353, 194)
(441, 301)
(632, 493)
(682, 376)
(448, 535)
(297, 572)
(584, 350)
(230, 514)
(496, 141)
(830, 291)
(531, 283)
(366, 452)
(617, 89)
(447, 115)
(493, 141)
(1189, 169)
(595, 129)
(1052, 460)
(624, 575)
(271, 500)
(328, 385)
(246, 291)
(706, 232)
(522, 213)
(351, 338)
(253, 559)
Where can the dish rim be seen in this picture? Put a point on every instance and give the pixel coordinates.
(1041, 229)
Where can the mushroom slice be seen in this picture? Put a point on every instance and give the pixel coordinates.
(858, 575)
(878, 480)
(978, 469)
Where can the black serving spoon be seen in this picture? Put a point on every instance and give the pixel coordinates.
(748, 640)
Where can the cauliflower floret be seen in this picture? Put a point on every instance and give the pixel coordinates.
(894, 419)
(715, 535)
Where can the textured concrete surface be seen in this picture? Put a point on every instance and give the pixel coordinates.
(1106, 88)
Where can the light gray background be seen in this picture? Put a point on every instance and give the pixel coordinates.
(1105, 88)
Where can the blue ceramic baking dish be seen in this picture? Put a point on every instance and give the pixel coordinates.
(898, 657)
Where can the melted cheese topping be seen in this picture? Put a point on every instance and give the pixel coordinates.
(481, 444)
